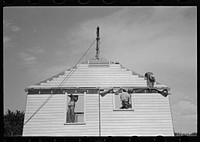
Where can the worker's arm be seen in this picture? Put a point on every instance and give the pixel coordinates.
(120, 96)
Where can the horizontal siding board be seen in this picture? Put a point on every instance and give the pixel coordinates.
(139, 132)
(49, 105)
(51, 100)
(109, 78)
(132, 120)
(121, 74)
(40, 118)
(131, 83)
(43, 109)
(44, 96)
(132, 125)
(54, 126)
(142, 109)
(130, 128)
(99, 80)
(140, 123)
(46, 114)
(138, 116)
(137, 122)
(122, 117)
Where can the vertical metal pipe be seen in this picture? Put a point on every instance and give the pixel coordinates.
(99, 115)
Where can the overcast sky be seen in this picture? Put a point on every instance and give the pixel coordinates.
(41, 42)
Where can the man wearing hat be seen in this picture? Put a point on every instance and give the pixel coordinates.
(150, 79)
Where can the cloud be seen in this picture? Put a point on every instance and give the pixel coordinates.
(15, 28)
(188, 98)
(7, 42)
(146, 30)
(185, 123)
(11, 27)
(36, 50)
(39, 74)
(184, 107)
(27, 58)
(6, 39)
(184, 115)
(6, 23)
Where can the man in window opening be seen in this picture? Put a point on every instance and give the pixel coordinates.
(71, 107)
(125, 99)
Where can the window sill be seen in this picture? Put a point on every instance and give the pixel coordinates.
(80, 123)
(123, 109)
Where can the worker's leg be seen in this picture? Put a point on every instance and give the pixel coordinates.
(72, 114)
(69, 120)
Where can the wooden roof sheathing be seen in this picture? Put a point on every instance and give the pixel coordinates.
(95, 73)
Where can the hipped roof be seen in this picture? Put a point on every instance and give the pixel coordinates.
(95, 73)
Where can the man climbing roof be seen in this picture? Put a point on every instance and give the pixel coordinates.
(150, 79)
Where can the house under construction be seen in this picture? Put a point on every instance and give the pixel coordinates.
(98, 111)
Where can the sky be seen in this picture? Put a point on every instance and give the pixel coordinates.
(40, 42)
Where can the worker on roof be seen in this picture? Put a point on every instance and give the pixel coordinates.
(125, 99)
(71, 107)
(150, 79)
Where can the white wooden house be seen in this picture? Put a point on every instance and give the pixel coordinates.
(96, 115)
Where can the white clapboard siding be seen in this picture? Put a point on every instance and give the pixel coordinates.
(50, 119)
(151, 117)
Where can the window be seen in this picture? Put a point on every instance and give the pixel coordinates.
(122, 101)
(75, 108)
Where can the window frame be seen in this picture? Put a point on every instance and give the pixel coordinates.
(66, 109)
(114, 108)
